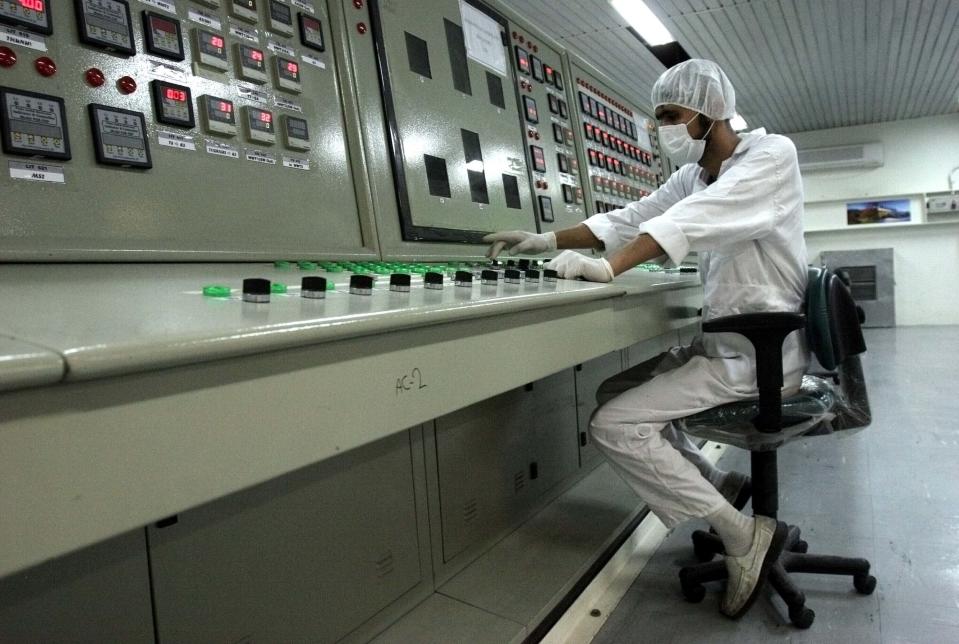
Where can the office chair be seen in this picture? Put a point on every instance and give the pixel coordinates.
(833, 400)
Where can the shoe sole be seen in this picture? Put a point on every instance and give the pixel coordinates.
(772, 556)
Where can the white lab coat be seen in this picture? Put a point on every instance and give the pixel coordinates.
(747, 228)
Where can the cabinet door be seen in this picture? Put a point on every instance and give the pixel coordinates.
(308, 556)
(554, 448)
(589, 376)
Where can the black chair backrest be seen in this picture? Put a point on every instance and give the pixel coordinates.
(833, 329)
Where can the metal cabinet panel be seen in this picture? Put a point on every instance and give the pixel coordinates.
(643, 351)
(97, 594)
(589, 376)
(554, 450)
(308, 556)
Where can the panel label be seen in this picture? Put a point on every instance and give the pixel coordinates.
(288, 105)
(316, 62)
(175, 140)
(248, 34)
(205, 19)
(483, 41)
(305, 6)
(23, 38)
(37, 172)
(222, 150)
(260, 157)
(295, 163)
(169, 71)
(277, 48)
(162, 5)
(253, 94)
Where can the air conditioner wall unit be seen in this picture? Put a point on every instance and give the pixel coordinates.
(866, 155)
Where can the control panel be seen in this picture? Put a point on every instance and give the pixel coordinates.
(551, 150)
(163, 130)
(457, 150)
(620, 145)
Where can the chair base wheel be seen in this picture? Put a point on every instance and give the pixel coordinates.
(802, 617)
(694, 593)
(865, 584)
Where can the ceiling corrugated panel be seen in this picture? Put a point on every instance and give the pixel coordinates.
(797, 65)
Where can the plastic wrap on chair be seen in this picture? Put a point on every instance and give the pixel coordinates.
(820, 407)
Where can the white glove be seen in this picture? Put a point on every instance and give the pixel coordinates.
(520, 241)
(570, 265)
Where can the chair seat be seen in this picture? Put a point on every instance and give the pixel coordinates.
(815, 402)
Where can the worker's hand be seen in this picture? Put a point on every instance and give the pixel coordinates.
(570, 265)
(520, 241)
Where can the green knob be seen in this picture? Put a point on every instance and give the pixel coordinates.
(214, 290)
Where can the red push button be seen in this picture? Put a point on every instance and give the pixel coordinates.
(8, 57)
(95, 77)
(45, 66)
(127, 85)
(361, 28)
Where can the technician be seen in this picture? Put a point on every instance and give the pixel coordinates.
(737, 201)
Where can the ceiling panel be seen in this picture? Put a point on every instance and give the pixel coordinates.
(797, 65)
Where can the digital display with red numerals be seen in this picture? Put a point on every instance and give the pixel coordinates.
(172, 103)
(31, 14)
(256, 54)
(266, 117)
(219, 110)
(288, 70)
(260, 120)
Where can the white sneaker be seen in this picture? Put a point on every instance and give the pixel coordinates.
(747, 573)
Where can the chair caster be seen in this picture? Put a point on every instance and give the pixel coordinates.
(802, 617)
(864, 584)
(802, 547)
(694, 593)
(703, 548)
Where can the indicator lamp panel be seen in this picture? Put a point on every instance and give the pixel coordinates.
(244, 9)
(536, 66)
(219, 115)
(250, 63)
(532, 113)
(522, 60)
(296, 133)
(120, 137)
(32, 15)
(173, 104)
(106, 24)
(33, 124)
(162, 36)
(287, 73)
(210, 49)
(311, 32)
(281, 17)
(539, 158)
(259, 125)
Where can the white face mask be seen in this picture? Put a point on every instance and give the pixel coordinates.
(680, 146)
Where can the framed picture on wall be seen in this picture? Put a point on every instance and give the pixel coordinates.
(887, 211)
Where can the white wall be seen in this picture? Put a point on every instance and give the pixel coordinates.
(919, 155)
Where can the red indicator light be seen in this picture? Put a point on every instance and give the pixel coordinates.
(95, 77)
(8, 57)
(266, 117)
(127, 85)
(216, 41)
(35, 5)
(175, 94)
(223, 106)
(45, 66)
(256, 54)
(293, 68)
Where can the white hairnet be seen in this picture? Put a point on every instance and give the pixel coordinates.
(699, 85)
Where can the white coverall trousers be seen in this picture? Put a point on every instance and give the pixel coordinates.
(633, 429)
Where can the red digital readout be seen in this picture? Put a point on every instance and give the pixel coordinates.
(293, 68)
(175, 94)
(256, 54)
(225, 107)
(35, 5)
(266, 117)
(216, 41)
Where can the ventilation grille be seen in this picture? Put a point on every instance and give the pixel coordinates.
(384, 565)
(868, 155)
(519, 481)
(470, 510)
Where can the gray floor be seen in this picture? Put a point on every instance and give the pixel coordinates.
(889, 493)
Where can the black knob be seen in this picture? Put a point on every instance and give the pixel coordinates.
(489, 276)
(433, 280)
(400, 279)
(313, 287)
(511, 262)
(256, 289)
(532, 275)
(464, 277)
(512, 275)
(550, 274)
(361, 284)
(523, 264)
